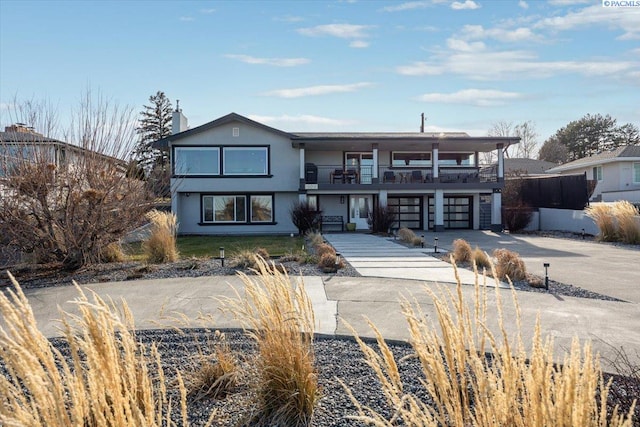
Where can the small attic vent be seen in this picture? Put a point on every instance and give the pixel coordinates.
(236, 131)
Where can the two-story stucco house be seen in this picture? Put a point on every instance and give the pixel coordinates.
(616, 173)
(237, 176)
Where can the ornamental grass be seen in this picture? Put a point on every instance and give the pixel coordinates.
(161, 245)
(107, 378)
(466, 387)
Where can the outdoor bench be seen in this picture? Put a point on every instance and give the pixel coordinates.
(331, 220)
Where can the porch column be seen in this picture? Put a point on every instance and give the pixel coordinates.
(382, 198)
(374, 176)
(500, 162)
(302, 163)
(435, 147)
(438, 220)
(496, 210)
(476, 157)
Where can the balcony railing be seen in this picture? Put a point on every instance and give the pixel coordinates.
(336, 174)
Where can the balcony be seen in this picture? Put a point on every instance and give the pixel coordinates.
(335, 177)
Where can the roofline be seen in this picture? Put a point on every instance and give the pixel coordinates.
(400, 135)
(231, 117)
(569, 166)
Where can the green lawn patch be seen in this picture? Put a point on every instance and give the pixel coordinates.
(209, 246)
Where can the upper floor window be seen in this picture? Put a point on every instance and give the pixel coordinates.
(246, 160)
(196, 161)
(636, 173)
(597, 173)
(456, 159)
(410, 159)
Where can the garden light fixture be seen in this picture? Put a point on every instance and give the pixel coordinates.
(546, 275)
(222, 255)
(435, 245)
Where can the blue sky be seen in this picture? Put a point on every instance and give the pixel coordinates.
(332, 65)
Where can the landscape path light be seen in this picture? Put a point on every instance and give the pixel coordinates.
(222, 255)
(546, 275)
(337, 260)
(435, 245)
(422, 241)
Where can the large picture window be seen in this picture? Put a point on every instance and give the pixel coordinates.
(246, 160)
(224, 209)
(196, 161)
(233, 208)
(405, 159)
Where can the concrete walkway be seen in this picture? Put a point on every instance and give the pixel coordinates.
(375, 256)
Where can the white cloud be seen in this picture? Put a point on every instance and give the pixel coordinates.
(207, 11)
(343, 31)
(523, 4)
(625, 19)
(477, 97)
(568, 2)
(276, 62)
(317, 90)
(407, 6)
(359, 44)
(463, 46)
(467, 5)
(305, 119)
(186, 19)
(289, 18)
(500, 34)
(510, 64)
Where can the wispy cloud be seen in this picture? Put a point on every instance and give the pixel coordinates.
(276, 62)
(343, 31)
(510, 64)
(464, 46)
(186, 18)
(467, 5)
(627, 20)
(359, 44)
(477, 97)
(408, 6)
(523, 4)
(477, 32)
(317, 90)
(568, 2)
(288, 18)
(207, 11)
(305, 119)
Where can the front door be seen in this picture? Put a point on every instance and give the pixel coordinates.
(359, 208)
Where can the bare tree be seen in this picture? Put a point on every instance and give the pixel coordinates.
(500, 128)
(528, 139)
(64, 200)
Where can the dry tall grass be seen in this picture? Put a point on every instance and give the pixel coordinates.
(602, 215)
(161, 245)
(509, 265)
(280, 318)
(512, 388)
(628, 225)
(480, 258)
(461, 250)
(315, 238)
(109, 380)
(325, 248)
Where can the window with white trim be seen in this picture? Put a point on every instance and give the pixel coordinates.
(597, 173)
(196, 161)
(246, 160)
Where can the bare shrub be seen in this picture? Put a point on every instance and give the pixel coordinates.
(305, 217)
(480, 258)
(381, 218)
(406, 235)
(327, 263)
(509, 264)
(602, 215)
(461, 250)
(513, 387)
(161, 245)
(109, 380)
(627, 221)
(67, 201)
(278, 315)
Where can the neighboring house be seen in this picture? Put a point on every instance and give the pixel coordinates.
(616, 173)
(237, 176)
(522, 167)
(19, 142)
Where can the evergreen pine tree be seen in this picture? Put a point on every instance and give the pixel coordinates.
(154, 124)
